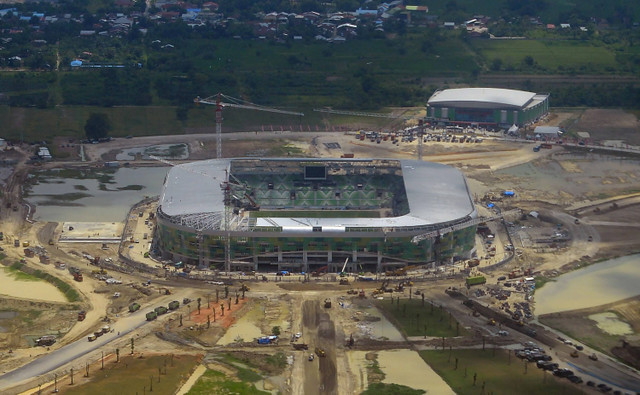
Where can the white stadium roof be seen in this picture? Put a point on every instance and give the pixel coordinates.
(481, 98)
(436, 194)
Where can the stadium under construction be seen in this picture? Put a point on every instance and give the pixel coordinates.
(314, 214)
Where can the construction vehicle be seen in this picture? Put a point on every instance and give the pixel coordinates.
(327, 303)
(593, 357)
(350, 342)
(46, 340)
(152, 315)
(174, 305)
(574, 354)
(105, 329)
(477, 280)
(160, 310)
(342, 272)
(361, 294)
(77, 276)
(320, 271)
(491, 322)
(133, 307)
(320, 352)
(82, 315)
(352, 292)
(244, 288)
(92, 337)
(344, 281)
(473, 262)
(164, 291)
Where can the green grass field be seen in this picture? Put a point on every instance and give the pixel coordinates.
(414, 319)
(550, 55)
(135, 375)
(214, 382)
(495, 373)
(34, 125)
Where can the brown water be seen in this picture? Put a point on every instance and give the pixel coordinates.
(406, 367)
(598, 284)
(37, 290)
(245, 328)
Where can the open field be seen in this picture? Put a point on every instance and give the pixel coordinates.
(138, 373)
(494, 371)
(414, 319)
(35, 125)
(557, 55)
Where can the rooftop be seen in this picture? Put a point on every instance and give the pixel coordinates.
(481, 97)
(428, 193)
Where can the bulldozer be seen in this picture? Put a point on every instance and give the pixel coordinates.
(344, 281)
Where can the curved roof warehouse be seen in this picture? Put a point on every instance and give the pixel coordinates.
(491, 107)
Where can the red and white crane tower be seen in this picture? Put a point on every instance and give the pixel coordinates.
(216, 100)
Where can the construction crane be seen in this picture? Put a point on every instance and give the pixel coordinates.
(443, 231)
(216, 100)
(377, 115)
(362, 114)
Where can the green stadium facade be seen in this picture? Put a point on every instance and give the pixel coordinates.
(313, 214)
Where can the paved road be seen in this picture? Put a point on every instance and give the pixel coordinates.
(55, 359)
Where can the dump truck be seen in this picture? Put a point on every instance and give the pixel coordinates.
(477, 280)
(327, 303)
(134, 307)
(160, 310)
(45, 340)
(174, 305)
(105, 329)
(152, 315)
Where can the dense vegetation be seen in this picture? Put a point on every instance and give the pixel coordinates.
(401, 66)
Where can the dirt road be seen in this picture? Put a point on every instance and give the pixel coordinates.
(320, 374)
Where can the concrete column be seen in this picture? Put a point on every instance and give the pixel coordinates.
(354, 256)
(329, 256)
(304, 257)
(279, 255)
(379, 268)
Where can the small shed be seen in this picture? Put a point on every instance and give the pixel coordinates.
(547, 131)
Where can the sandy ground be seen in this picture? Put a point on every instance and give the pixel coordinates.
(483, 164)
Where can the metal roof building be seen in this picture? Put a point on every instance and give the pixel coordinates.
(306, 211)
(491, 107)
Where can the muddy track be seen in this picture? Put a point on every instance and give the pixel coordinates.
(320, 378)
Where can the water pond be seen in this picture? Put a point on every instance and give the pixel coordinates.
(595, 285)
(91, 195)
